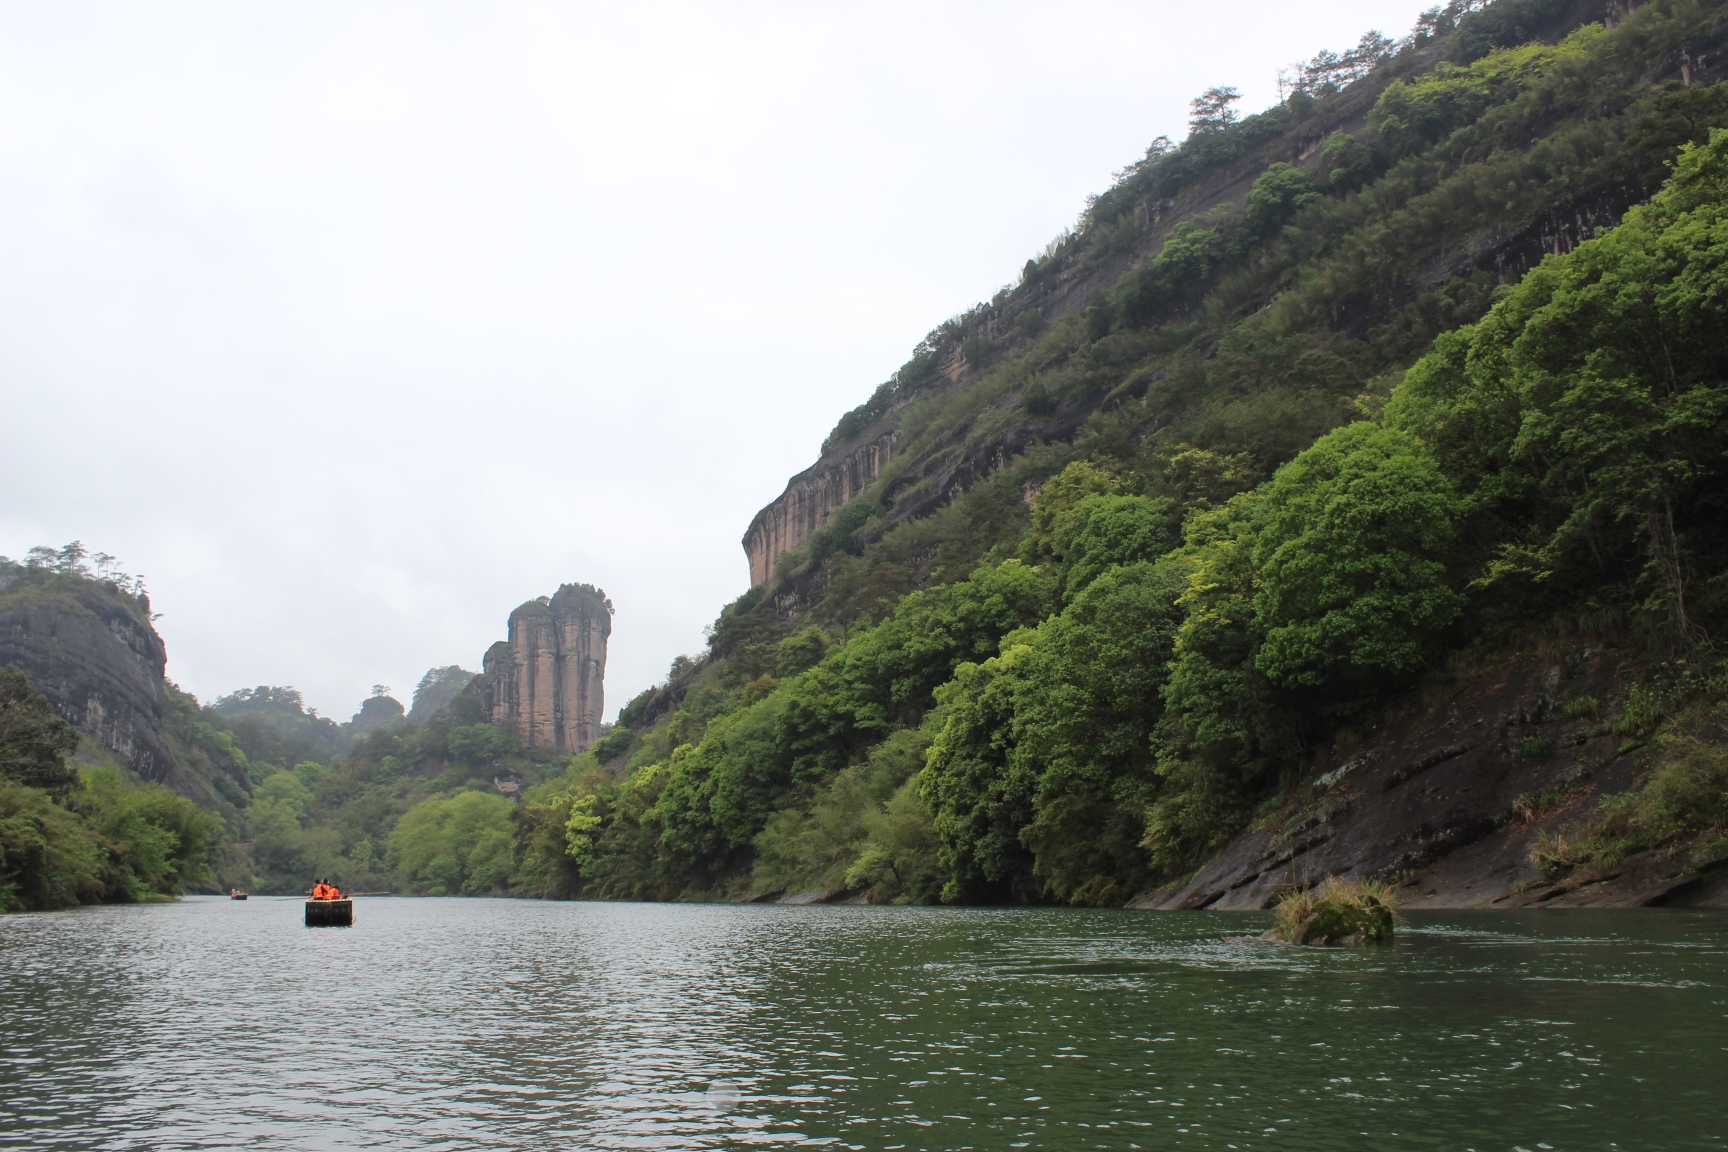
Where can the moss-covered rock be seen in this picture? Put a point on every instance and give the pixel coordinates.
(1336, 912)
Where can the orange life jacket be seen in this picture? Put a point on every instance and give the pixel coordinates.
(320, 891)
(334, 893)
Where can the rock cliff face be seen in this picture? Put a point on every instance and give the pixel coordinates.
(810, 501)
(545, 682)
(1443, 799)
(92, 651)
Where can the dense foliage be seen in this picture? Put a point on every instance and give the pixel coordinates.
(69, 837)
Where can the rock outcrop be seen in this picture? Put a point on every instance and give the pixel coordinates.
(90, 648)
(545, 683)
(1448, 799)
(810, 501)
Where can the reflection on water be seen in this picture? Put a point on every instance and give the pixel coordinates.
(513, 1024)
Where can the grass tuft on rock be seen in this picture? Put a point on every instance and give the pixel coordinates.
(1336, 911)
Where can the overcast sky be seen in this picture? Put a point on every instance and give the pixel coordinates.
(355, 325)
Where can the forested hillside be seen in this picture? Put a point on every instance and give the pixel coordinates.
(1131, 568)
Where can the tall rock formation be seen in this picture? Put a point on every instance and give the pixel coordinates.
(810, 501)
(89, 647)
(545, 682)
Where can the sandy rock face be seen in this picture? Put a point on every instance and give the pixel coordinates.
(810, 501)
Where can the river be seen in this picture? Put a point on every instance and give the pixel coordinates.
(518, 1024)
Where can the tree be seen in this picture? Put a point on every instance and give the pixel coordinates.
(1102, 532)
(1586, 414)
(34, 743)
(456, 847)
(1211, 111)
(1041, 758)
(479, 744)
(1350, 555)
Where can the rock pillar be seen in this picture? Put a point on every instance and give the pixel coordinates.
(545, 682)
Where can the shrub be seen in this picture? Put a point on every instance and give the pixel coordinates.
(1336, 912)
(974, 349)
(1644, 712)
(1035, 399)
(1538, 748)
(1685, 796)
(1555, 852)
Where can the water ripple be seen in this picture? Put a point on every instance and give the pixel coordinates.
(449, 1024)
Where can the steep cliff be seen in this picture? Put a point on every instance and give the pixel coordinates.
(545, 683)
(810, 501)
(1114, 322)
(90, 648)
(85, 641)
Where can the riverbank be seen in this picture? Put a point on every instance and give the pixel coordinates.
(1460, 795)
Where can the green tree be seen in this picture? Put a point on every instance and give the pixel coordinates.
(34, 743)
(156, 844)
(48, 858)
(482, 743)
(1350, 552)
(1586, 415)
(463, 845)
(1041, 762)
(1103, 532)
(1212, 110)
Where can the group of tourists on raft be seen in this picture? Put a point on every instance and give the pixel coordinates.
(324, 890)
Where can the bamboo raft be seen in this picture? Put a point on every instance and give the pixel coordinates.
(329, 913)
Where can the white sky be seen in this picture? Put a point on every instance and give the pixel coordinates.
(355, 325)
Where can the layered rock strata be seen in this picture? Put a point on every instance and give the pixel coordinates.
(1448, 800)
(810, 501)
(545, 683)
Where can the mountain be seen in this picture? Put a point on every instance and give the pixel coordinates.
(86, 640)
(1093, 600)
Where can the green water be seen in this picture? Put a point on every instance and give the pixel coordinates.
(509, 1024)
